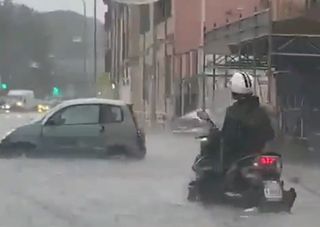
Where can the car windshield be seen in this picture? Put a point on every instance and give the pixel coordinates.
(159, 113)
(13, 98)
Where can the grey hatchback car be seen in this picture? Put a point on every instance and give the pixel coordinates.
(82, 127)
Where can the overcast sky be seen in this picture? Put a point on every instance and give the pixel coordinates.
(74, 5)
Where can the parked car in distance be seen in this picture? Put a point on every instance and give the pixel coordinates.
(189, 124)
(20, 100)
(82, 127)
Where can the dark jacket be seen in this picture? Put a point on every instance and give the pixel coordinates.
(246, 129)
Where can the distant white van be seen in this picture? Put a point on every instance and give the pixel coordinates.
(22, 99)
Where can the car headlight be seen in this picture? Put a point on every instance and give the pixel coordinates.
(19, 104)
(204, 139)
(6, 107)
(42, 108)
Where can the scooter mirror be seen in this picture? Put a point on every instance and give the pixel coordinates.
(203, 115)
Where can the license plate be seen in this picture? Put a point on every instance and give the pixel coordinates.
(272, 190)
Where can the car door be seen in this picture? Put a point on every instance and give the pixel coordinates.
(74, 130)
(112, 121)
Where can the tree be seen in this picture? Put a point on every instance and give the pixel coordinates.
(24, 44)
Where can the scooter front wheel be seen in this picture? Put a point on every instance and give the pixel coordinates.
(193, 192)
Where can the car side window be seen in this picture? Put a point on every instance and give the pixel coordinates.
(111, 114)
(78, 115)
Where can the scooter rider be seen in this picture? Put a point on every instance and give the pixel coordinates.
(246, 130)
(247, 127)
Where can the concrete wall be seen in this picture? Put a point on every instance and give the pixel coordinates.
(187, 25)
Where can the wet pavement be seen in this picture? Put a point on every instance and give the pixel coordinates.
(151, 192)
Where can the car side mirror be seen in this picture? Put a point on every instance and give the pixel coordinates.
(203, 115)
(55, 122)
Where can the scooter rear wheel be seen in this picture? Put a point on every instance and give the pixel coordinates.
(252, 197)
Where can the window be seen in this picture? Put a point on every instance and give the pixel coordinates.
(162, 10)
(111, 114)
(265, 4)
(144, 21)
(168, 73)
(79, 115)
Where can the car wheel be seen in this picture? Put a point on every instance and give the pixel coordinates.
(141, 154)
(21, 153)
(18, 150)
(137, 154)
(12, 154)
(115, 151)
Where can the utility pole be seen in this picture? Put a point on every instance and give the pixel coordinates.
(166, 63)
(154, 68)
(112, 42)
(95, 43)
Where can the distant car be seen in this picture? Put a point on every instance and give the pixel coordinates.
(45, 105)
(83, 127)
(20, 100)
(189, 124)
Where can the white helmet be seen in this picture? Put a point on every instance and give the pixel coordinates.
(241, 83)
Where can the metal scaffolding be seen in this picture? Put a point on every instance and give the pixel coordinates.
(258, 43)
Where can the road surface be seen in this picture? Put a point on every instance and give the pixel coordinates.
(148, 193)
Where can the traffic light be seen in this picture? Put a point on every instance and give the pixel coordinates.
(3, 86)
(56, 91)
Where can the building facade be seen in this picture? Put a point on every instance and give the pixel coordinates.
(167, 62)
(157, 65)
(278, 42)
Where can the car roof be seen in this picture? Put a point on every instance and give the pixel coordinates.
(20, 92)
(92, 101)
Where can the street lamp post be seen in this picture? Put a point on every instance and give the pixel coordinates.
(95, 42)
(85, 25)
